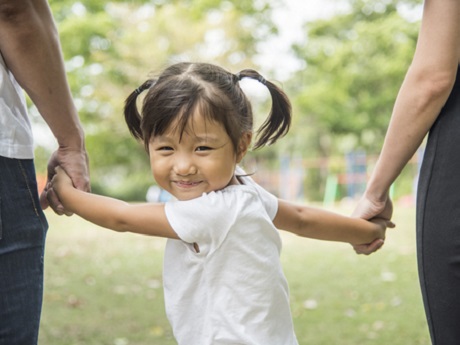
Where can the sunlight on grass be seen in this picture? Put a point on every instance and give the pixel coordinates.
(106, 288)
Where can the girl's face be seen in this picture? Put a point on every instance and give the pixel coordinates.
(203, 160)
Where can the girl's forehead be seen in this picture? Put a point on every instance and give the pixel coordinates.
(198, 126)
(197, 123)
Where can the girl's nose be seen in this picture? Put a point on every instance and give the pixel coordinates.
(184, 166)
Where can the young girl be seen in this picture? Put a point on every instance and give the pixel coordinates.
(223, 281)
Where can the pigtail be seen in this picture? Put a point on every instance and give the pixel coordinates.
(132, 117)
(279, 119)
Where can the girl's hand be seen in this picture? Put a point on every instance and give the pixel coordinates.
(56, 187)
(369, 208)
(75, 163)
(369, 248)
(60, 181)
(381, 226)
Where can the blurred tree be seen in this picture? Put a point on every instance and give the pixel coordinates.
(354, 65)
(110, 47)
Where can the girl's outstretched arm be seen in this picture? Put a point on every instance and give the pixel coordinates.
(147, 219)
(320, 224)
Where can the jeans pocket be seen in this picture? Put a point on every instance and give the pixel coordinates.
(30, 182)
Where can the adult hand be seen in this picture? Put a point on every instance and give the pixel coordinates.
(369, 208)
(75, 163)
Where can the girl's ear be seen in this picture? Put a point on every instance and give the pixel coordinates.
(243, 146)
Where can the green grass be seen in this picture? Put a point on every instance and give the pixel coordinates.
(104, 288)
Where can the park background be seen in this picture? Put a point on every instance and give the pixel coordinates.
(341, 63)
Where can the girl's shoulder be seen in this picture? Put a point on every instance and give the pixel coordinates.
(208, 219)
(269, 201)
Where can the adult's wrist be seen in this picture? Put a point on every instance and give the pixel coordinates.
(74, 139)
(376, 193)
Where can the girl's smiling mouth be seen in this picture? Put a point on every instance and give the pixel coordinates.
(187, 184)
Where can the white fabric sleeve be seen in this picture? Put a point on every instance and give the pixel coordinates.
(269, 201)
(200, 220)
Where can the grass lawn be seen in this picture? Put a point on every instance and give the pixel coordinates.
(105, 288)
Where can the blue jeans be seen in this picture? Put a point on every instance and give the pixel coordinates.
(23, 229)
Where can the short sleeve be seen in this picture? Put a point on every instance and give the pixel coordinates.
(269, 201)
(205, 220)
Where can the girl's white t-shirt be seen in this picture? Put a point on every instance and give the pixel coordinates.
(233, 291)
(16, 140)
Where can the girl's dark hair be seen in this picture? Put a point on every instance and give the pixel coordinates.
(184, 88)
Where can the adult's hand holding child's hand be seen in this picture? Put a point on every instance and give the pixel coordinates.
(59, 182)
(75, 164)
(373, 210)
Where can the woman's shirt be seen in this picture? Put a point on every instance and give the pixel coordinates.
(16, 139)
(233, 291)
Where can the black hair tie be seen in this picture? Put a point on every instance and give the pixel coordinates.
(144, 87)
(239, 76)
(261, 80)
(139, 90)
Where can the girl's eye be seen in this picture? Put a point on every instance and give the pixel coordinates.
(203, 148)
(165, 148)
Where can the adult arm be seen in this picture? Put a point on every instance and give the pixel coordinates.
(424, 91)
(29, 43)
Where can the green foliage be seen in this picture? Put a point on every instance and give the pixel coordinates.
(354, 63)
(354, 66)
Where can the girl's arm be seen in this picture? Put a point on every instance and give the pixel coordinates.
(324, 225)
(147, 219)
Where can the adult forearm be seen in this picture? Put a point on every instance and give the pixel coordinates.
(424, 92)
(28, 38)
(417, 106)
